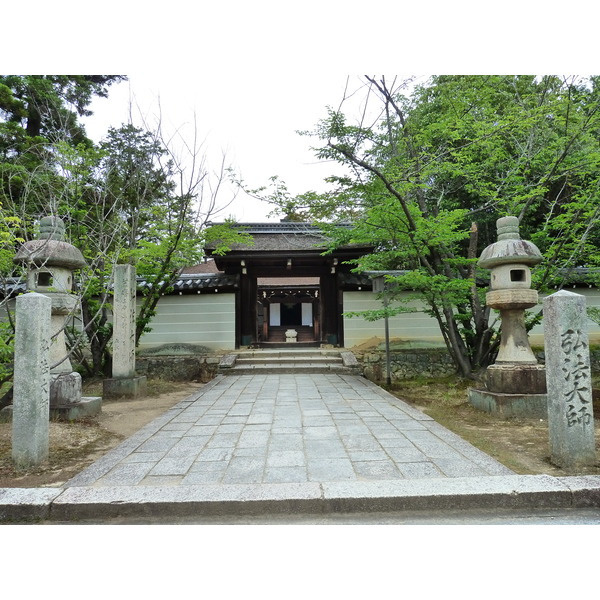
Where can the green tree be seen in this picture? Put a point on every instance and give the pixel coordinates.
(429, 175)
(35, 111)
(168, 196)
(133, 201)
(135, 198)
(48, 106)
(8, 240)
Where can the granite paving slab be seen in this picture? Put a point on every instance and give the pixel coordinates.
(288, 428)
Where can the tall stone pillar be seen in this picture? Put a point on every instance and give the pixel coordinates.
(568, 373)
(124, 382)
(123, 364)
(31, 384)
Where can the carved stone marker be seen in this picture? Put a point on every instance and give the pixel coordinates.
(568, 374)
(124, 382)
(124, 322)
(31, 384)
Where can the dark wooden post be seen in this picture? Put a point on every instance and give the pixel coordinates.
(248, 289)
(329, 309)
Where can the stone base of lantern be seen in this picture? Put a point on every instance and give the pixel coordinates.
(65, 389)
(516, 378)
(88, 406)
(526, 406)
(66, 401)
(124, 387)
(513, 390)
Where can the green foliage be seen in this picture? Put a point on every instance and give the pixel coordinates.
(48, 105)
(129, 200)
(222, 236)
(430, 174)
(7, 347)
(37, 113)
(8, 226)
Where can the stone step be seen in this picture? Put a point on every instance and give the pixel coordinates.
(303, 352)
(288, 359)
(289, 369)
(320, 360)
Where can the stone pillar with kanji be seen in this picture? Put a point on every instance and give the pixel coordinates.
(568, 371)
(124, 382)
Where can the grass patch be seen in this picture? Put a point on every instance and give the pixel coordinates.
(432, 393)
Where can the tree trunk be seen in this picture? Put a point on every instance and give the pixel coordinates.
(98, 339)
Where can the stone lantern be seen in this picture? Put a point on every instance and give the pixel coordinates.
(516, 383)
(50, 262)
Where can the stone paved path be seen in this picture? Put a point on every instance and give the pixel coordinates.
(253, 429)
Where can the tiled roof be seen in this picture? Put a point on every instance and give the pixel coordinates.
(191, 282)
(282, 227)
(14, 286)
(281, 237)
(198, 282)
(278, 242)
(206, 267)
(209, 281)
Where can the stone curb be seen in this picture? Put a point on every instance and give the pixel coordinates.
(104, 503)
(26, 504)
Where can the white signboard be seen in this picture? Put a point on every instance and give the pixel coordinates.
(307, 317)
(275, 315)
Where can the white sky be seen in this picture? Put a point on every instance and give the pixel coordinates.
(255, 72)
(251, 117)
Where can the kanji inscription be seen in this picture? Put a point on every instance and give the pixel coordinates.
(576, 372)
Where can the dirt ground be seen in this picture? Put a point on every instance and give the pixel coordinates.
(76, 445)
(521, 445)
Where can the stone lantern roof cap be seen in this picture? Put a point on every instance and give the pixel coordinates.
(509, 248)
(50, 250)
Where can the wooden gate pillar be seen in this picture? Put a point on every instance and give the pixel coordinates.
(248, 322)
(330, 310)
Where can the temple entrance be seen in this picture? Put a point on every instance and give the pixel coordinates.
(282, 306)
(288, 279)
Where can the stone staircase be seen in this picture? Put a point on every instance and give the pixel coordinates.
(289, 361)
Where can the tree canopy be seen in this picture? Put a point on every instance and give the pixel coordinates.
(48, 105)
(133, 198)
(429, 171)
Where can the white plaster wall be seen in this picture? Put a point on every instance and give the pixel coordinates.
(420, 329)
(209, 320)
(417, 327)
(592, 298)
(203, 319)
